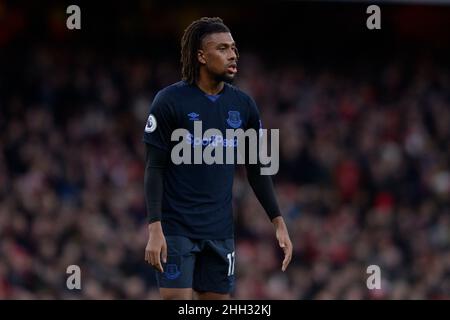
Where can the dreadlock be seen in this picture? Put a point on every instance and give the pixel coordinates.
(191, 42)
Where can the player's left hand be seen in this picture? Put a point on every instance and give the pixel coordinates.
(284, 241)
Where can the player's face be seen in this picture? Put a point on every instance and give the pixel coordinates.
(219, 56)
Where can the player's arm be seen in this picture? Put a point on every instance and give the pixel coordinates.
(263, 188)
(155, 164)
(158, 129)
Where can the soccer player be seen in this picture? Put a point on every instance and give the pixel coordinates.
(191, 236)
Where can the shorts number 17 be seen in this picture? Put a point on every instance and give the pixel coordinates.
(230, 257)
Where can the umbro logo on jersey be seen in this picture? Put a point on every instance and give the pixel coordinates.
(193, 116)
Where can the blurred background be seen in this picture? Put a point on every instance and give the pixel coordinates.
(364, 121)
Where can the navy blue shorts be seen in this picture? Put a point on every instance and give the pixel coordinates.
(203, 265)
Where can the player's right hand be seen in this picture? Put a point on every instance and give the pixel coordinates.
(156, 249)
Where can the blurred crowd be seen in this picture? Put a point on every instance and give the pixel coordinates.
(364, 178)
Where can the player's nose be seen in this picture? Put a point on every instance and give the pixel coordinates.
(232, 56)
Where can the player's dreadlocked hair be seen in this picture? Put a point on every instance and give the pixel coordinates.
(191, 42)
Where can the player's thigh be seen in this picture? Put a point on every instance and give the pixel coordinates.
(179, 268)
(212, 296)
(214, 269)
(176, 294)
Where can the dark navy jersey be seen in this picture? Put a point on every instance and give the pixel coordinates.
(197, 197)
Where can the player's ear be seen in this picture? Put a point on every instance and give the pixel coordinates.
(201, 56)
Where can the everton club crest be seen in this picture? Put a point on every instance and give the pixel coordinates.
(172, 271)
(234, 119)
